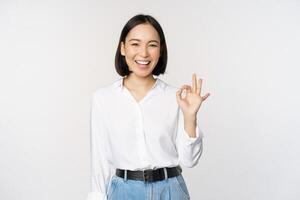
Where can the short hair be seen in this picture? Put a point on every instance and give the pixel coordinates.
(120, 62)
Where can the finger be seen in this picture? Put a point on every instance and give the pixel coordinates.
(185, 90)
(187, 87)
(178, 94)
(194, 84)
(199, 86)
(205, 96)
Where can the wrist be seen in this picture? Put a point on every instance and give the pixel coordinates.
(190, 117)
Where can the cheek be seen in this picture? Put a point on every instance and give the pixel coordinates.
(130, 52)
(155, 52)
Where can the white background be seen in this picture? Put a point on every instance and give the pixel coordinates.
(54, 54)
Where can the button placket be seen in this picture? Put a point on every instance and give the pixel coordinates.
(141, 135)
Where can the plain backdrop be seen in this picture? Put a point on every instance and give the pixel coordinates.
(54, 54)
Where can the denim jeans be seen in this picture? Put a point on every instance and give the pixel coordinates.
(170, 189)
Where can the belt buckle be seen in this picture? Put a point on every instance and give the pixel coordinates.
(147, 177)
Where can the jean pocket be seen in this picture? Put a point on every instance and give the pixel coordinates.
(182, 186)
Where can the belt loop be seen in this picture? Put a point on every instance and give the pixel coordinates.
(144, 175)
(166, 173)
(125, 174)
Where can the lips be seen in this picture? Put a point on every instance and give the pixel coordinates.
(143, 62)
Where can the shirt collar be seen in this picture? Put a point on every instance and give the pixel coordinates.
(118, 84)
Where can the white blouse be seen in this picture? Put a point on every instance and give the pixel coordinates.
(133, 135)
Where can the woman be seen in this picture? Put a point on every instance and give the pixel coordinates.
(143, 129)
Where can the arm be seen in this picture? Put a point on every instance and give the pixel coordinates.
(189, 136)
(100, 167)
(189, 148)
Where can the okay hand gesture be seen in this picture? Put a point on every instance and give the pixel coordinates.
(192, 100)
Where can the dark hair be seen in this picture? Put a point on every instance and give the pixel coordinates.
(120, 62)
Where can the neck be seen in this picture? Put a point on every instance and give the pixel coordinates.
(134, 82)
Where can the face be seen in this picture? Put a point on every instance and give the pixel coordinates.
(141, 49)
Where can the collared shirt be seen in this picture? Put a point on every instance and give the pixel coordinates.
(127, 134)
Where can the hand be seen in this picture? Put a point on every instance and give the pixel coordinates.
(191, 102)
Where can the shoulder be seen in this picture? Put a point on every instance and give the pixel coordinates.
(106, 90)
(169, 93)
(169, 88)
(168, 96)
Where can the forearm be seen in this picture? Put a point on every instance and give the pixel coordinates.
(190, 123)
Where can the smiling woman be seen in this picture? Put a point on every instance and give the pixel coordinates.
(142, 39)
(141, 49)
(138, 146)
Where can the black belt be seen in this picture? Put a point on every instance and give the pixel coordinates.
(150, 174)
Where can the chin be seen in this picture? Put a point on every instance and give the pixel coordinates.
(142, 74)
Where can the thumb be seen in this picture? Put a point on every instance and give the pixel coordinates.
(178, 94)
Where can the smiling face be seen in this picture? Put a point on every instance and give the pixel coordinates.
(141, 49)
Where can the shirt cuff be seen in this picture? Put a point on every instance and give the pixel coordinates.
(96, 196)
(190, 140)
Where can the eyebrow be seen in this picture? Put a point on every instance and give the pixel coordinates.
(140, 40)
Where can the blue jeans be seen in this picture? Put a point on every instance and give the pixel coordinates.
(170, 189)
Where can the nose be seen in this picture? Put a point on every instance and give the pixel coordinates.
(144, 51)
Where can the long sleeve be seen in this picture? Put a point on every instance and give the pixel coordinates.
(189, 149)
(101, 169)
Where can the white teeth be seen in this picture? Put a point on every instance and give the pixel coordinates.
(142, 62)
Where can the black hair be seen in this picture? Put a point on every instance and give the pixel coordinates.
(120, 62)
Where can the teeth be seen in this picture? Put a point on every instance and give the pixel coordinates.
(143, 62)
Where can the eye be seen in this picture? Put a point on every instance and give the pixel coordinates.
(134, 44)
(153, 45)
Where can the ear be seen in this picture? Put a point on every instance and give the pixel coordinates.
(122, 49)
